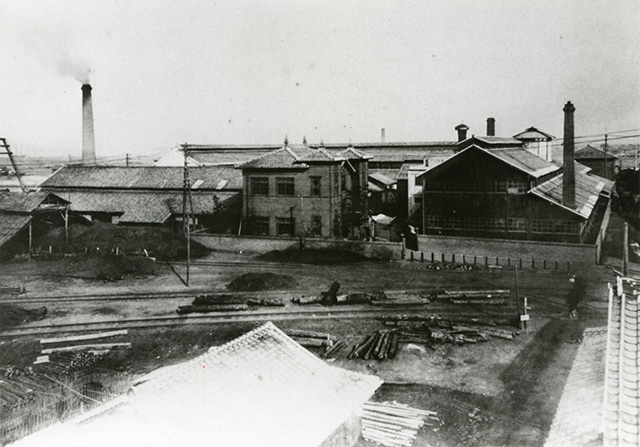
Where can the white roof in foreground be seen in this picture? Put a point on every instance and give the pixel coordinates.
(261, 389)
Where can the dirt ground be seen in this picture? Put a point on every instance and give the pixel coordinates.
(496, 393)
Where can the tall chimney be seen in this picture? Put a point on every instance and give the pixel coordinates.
(568, 170)
(88, 138)
(382, 136)
(462, 131)
(491, 127)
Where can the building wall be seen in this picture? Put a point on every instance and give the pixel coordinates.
(598, 168)
(541, 148)
(479, 196)
(301, 205)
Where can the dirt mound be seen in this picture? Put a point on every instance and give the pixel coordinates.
(158, 242)
(12, 315)
(250, 282)
(327, 256)
(107, 267)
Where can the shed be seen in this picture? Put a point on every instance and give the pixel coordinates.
(261, 389)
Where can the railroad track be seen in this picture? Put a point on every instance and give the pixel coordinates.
(211, 318)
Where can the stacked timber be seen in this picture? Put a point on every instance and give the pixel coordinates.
(381, 345)
(211, 299)
(211, 308)
(267, 302)
(313, 339)
(488, 297)
(392, 424)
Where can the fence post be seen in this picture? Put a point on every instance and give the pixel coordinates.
(486, 261)
(497, 260)
(533, 263)
(508, 261)
(475, 259)
(411, 255)
(556, 265)
(520, 263)
(453, 258)
(544, 264)
(442, 256)
(421, 256)
(464, 259)
(433, 257)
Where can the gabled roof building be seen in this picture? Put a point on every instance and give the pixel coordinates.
(261, 389)
(150, 195)
(301, 191)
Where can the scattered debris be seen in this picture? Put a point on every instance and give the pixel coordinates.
(392, 424)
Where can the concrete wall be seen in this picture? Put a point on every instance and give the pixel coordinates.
(263, 244)
(526, 250)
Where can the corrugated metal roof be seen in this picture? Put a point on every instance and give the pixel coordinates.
(593, 153)
(533, 134)
(108, 177)
(261, 389)
(524, 161)
(577, 422)
(10, 224)
(143, 207)
(382, 178)
(588, 189)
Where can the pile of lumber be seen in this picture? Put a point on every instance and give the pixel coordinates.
(312, 339)
(225, 303)
(490, 297)
(10, 290)
(211, 308)
(381, 345)
(392, 424)
(96, 343)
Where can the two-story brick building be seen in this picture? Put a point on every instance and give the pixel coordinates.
(298, 190)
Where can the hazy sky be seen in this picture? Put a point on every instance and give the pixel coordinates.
(239, 71)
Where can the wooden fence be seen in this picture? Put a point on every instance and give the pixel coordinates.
(491, 262)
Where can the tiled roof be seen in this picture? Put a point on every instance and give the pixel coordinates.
(10, 224)
(261, 389)
(577, 422)
(621, 411)
(489, 142)
(533, 134)
(108, 177)
(588, 189)
(143, 207)
(593, 153)
(292, 157)
(353, 154)
(19, 202)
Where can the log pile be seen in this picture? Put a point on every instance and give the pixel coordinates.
(392, 424)
(381, 345)
(211, 308)
(445, 331)
(313, 339)
(489, 297)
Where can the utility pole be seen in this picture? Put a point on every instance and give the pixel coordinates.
(625, 250)
(186, 214)
(606, 163)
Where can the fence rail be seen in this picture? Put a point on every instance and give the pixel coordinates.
(498, 262)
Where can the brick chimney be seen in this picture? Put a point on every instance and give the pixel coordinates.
(462, 131)
(88, 138)
(568, 170)
(491, 127)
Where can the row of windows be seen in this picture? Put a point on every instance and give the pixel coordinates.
(285, 186)
(285, 226)
(511, 187)
(512, 224)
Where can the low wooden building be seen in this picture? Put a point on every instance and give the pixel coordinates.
(601, 163)
(151, 195)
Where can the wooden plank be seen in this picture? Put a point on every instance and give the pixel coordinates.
(83, 347)
(84, 337)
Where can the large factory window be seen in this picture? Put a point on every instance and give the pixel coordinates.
(285, 226)
(260, 186)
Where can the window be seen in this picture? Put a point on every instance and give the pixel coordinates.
(284, 186)
(453, 222)
(316, 185)
(260, 225)
(260, 186)
(516, 187)
(554, 226)
(496, 224)
(433, 221)
(285, 226)
(316, 225)
(474, 223)
(517, 224)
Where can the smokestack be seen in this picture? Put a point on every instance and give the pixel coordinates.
(88, 138)
(462, 131)
(382, 136)
(568, 170)
(491, 127)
